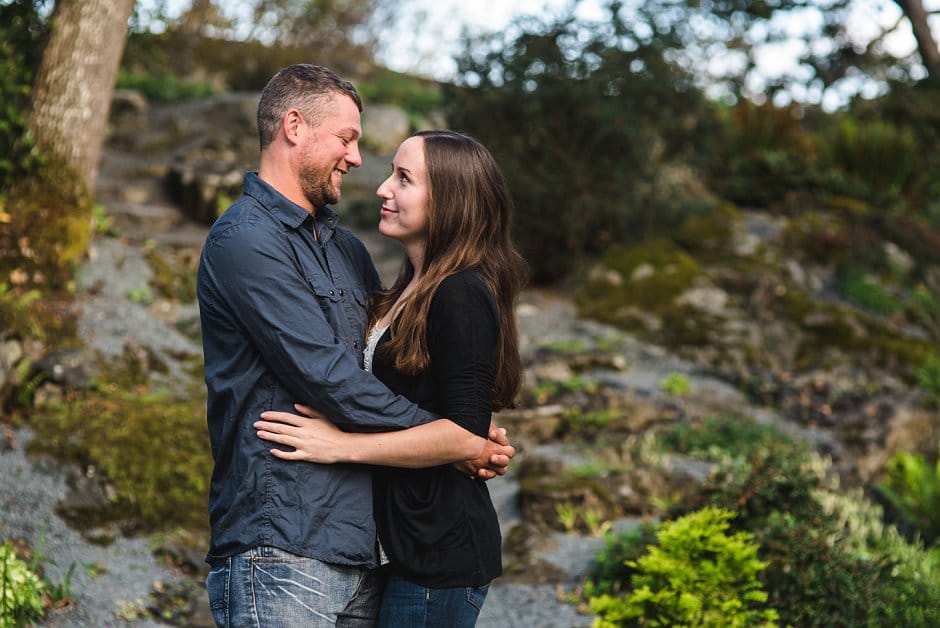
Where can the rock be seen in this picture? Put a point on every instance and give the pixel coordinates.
(539, 425)
(641, 272)
(11, 351)
(555, 371)
(600, 272)
(86, 491)
(71, 368)
(709, 299)
(898, 259)
(384, 127)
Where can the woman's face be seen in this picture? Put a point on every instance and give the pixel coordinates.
(405, 195)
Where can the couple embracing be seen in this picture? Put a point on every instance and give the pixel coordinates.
(350, 425)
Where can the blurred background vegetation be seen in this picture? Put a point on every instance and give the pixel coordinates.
(633, 157)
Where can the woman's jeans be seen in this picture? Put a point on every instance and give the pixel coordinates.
(409, 605)
(269, 587)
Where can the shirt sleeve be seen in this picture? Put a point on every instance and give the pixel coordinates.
(253, 276)
(463, 335)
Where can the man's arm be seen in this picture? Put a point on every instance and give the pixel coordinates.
(251, 273)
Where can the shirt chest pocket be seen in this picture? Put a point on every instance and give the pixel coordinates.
(344, 308)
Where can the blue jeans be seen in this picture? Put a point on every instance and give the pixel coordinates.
(409, 605)
(269, 587)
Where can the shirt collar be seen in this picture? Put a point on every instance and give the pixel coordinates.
(285, 210)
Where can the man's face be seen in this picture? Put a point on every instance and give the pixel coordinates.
(329, 150)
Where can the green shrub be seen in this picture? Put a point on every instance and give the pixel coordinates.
(416, 96)
(699, 575)
(928, 375)
(830, 563)
(761, 154)
(908, 594)
(864, 290)
(21, 590)
(716, 438)
(582, 127)
(163, 86)
(912, 485)
(878, 156)
(612, 568)
(676, 383)
(22, 37)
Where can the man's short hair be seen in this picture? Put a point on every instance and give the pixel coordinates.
(302, 86)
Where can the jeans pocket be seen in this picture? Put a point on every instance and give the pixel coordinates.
(477, 595)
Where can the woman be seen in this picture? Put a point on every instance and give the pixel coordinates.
(445, 337)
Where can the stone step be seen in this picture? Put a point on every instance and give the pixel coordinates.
(143, 220)
(187, 235)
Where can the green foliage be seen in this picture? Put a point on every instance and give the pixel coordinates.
(928, 375)
(612, 569)
(866, 291)
(912, 485)
(174, 274)
(924, 309)
(699, 575)
(718, 438)
(21, 590)
(760, 154)
(26, 313)
(150, 446)
(676, 383)
(830, 562)
(22, 37)
(416, 96)
(878, 157)
(584, 423)
(163, 86)
(49, 225)
(141, 294)
(580, 117)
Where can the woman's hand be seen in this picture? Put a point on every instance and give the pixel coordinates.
(312, 436)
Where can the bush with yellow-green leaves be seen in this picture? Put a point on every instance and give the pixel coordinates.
(20, 590)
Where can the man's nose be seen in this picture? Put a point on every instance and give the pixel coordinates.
(353, 157)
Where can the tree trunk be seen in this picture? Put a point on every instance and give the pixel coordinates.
(75, 82)
(926, 44)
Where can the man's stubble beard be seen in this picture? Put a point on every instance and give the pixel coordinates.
(317, 185)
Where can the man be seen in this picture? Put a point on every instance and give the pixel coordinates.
(281, 294)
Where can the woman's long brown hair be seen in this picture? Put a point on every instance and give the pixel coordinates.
(468, 228)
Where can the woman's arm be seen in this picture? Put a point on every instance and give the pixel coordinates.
(315, 439)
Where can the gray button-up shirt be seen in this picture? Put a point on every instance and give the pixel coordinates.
(283, 321)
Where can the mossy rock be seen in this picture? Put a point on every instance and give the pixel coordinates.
(544, 487)
(47, 231)
(819, 236)
(827, 329)
(649, 279)
(708, 236)
(151, 447)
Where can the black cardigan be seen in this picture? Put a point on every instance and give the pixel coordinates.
(438, 526)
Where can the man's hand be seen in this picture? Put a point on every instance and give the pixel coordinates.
(497, 453)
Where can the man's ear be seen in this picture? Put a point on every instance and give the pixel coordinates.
(292, 123)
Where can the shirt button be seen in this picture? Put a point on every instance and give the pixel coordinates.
(342, 292)
(332, 293)
(356, 344)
